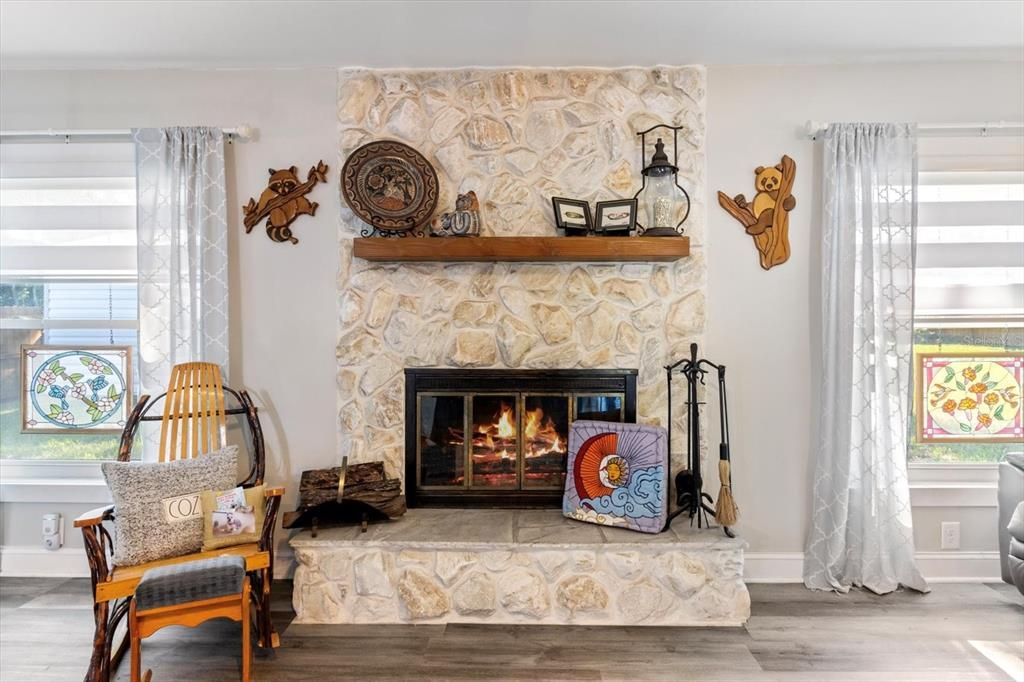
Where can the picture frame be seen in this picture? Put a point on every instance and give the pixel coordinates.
(951, 405)
(572, 216)
(616, 218)
(75, 389)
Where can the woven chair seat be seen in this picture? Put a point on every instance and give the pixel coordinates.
(190, 581)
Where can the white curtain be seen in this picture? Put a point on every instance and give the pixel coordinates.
(861, 531)
(183, 259)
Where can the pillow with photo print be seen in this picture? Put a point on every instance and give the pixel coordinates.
(232, 525)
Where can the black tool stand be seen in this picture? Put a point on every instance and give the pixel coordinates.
(690, 496)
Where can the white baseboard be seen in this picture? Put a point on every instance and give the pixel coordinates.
(759, 567)
(773, 567)
(37, 562)
(959, 567)
(937, 567)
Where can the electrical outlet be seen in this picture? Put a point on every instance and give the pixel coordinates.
(950, 535)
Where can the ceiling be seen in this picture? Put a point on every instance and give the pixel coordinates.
(277, 33)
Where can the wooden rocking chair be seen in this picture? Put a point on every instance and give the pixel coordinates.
(193, 423)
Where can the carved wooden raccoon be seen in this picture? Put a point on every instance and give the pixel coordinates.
(283, 201)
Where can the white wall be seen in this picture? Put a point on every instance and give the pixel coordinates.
(283, 297)
(762, 325)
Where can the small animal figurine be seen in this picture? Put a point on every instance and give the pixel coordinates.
(464, 221)
(283, 201)
(766, 218)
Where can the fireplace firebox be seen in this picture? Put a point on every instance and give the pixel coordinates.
(499, 438)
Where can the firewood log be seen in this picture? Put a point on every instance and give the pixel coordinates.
(366, 493)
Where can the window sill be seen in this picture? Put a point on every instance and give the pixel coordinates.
(924, 473)
(954, 495)
(954, 485)
(59, 482)
(63, 490)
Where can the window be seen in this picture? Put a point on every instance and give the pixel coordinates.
(67, 270)
(969, 278)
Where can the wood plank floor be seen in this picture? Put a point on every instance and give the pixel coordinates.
(958, 633)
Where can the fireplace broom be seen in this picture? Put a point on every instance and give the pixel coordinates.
(726, 512)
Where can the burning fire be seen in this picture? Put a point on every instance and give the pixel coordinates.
(506, 429)
(502, 430)
(541, 434)
(496, 443)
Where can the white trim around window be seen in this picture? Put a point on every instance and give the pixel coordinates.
(51, 481)
(954, 485)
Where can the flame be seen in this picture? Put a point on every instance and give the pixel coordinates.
(541, 435)
(533, 423)
(506, 429)
(496, 441)
(495, 436)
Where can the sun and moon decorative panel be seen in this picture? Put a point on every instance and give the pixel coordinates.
(616, 475)
(68, 389)
(969, 398)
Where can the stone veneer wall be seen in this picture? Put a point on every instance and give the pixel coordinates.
(652, 585)
(517, 137)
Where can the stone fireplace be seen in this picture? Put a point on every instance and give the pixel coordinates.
(516, 137)
(498, 438)
(444, 369)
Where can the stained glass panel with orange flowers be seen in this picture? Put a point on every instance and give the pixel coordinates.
(969, 397)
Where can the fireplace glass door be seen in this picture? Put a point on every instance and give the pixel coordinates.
(442, 450)
(603, 408)
(502, 441)
(495, 420)
(545, 440)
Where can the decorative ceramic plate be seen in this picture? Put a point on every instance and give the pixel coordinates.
(390, 186)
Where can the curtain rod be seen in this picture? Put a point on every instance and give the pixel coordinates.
(241, 133)
(983, 129)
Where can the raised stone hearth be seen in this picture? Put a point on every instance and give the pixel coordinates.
(502, 566)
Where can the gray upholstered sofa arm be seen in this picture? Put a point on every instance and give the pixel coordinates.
(1015, 558)
(1011, 494)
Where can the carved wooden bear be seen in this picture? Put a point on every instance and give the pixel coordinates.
(766, 218)
(767, 182)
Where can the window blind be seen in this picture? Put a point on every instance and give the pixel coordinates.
(970, 241)
(68, 241)
(67, 212)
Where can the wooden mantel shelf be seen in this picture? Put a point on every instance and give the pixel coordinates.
(522, 249)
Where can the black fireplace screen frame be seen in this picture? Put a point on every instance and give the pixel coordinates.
(541, 381)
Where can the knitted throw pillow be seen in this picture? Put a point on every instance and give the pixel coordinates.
(157, 509)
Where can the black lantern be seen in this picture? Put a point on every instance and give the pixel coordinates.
(661, 196)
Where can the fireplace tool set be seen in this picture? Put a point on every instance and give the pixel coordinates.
(690, 496)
